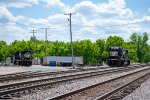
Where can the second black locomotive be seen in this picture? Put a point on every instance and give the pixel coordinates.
(118, 56)
(22, 58)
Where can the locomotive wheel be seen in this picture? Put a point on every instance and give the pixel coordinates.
(15, 63)
(120, 63)
(28, 64)
(128, 62)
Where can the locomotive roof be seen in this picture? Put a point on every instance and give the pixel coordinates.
(115, 47)
(16, 52)
(26, 51)
(22, 51)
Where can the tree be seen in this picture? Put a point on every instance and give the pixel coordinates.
(101, 45)
(92, 52)
(132, 50)
(114, 41)
(141, 44)
(3, 50)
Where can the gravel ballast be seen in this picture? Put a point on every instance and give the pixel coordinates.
(51, 76)
(141, 93)
(10, 69)
(70, 86)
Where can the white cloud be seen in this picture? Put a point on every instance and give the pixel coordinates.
(85, 7)
(68, 9)
(5, 13)
(11, 33)
(25, 3)
(79, 19)
(146, 18)
(18, 3)
(37, 21)
(113, 8)
(57, 18)
(55, 3)
(114, 14)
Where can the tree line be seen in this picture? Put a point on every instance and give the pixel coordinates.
(92, 52)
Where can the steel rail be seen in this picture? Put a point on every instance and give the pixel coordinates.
(92, 86)
(8, 89)
(29, 74)
(106, 95)
(18, 73)
(61, 77)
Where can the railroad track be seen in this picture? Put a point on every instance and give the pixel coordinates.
(11, 90)
(29, 74)
(125, 89)
(107, 89)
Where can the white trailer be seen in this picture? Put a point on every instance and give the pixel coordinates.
(59, 59)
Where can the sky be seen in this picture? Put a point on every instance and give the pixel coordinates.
(91, 19)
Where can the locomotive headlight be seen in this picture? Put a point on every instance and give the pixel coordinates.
(113, 53)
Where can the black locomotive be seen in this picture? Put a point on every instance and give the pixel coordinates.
(118, 57)
(23, 58)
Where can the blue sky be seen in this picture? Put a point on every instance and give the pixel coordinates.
(90, 22)
(140, 6)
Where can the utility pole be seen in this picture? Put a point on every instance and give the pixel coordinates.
(46, 41)
(70, 15)
(34, 38)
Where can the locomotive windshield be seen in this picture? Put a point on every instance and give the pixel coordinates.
(27, 55)
(113, 53)
(17, 55)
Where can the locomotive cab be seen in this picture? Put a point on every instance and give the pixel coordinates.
(114, 56)
(17, 58)
(26, 58)
(118, 56)
(22, 58)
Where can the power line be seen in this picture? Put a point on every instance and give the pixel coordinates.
(46, 42)
(17, 22)
(78, 24)
(112, 25)
(70, 15)
(35, 44)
